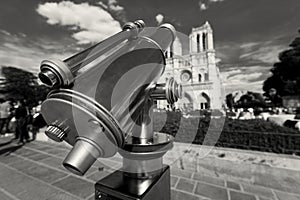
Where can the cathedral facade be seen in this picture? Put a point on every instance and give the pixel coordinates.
(195, 70)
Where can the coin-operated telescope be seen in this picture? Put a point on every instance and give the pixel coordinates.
(102, 103)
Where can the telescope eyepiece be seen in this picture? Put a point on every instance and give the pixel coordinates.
(48, 78)
(54, 73)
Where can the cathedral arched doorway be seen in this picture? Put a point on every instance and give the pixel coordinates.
(204, 101)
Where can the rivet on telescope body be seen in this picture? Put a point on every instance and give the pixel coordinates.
(96, 124)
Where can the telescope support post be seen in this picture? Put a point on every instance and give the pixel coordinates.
(143, 176)
(119, 186)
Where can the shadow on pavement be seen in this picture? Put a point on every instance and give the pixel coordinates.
(5, 143)
(8, 146)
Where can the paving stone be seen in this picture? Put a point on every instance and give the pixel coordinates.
(260, 191)
(173, 181)
(76, 186)
(210, 191)
(12, 181)
(233, 185)
(38, 156)
(286, 196)
(52, 144)
(279, 179)
(8, 149)
(263, 198)
(9, 159)
(61, 196)
(22, 164)
(25, 152)
(25, 187)
(55, 152)
(46, 174)
(41, 147)
(177, 195)
(54, 162)
(108, 164)
(181, 173)
(105, 165)
(32, 180)
(32, 144)
(92, 170)
(62, 154)
(98, 175)
(4, 196)
(186, 185)
(241, 196)
(5, 142)
(208, 179)
(41, 172)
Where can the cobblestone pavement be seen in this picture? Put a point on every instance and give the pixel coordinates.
(34, 172)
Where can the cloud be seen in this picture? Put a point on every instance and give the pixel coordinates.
(5, 32)
(264, 52)
(159, 18)
(204, 4)
(244, 78)
(20, 51)
(245, 66)
(117, 11)
(92, 23)
(113, 5)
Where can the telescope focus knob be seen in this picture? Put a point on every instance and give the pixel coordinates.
(170, 91)
(55, 132)
(139, 23)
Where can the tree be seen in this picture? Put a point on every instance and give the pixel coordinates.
(229, 101)
(251, 100)
(286, 73)
(273, 99)
(20, 84)
(247, 100)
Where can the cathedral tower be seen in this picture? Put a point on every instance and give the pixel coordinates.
(196, 71)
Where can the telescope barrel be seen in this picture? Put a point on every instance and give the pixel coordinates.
(62, 73)
(164, 36)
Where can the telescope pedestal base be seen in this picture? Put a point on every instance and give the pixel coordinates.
(118, 186)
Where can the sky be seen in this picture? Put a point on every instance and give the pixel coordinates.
(248, 34)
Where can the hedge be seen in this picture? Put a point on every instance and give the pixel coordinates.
(253, 134)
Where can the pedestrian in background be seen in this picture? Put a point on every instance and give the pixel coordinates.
(36, 120)
(4, 116)
(21, 114)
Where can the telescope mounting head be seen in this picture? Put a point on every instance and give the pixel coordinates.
(84, 109)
